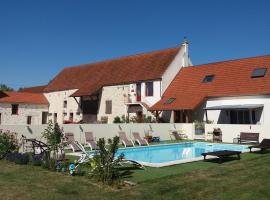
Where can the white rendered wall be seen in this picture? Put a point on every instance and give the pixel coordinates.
(56, 101)
(213, 115)
(231, 131)
(24, 110)
(107, 130)
(180, 60)
(149, 100)
(119, 96)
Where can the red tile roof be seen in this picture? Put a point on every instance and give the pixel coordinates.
(232, 78)
(35, 89)
(89, 78)
(23, 97)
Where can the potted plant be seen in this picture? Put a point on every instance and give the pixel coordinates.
(148, 137)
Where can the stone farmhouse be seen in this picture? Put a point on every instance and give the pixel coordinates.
(99, 92)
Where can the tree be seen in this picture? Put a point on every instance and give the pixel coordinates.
(55, 137)
(7, 145)
(5, 88)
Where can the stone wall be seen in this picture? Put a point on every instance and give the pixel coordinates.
(24, 110)
(56, 100)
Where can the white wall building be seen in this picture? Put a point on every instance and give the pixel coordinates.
(239, 110)
(125, 86)
(17, 108)
(228, 92)
(63, 108)
(234, 92)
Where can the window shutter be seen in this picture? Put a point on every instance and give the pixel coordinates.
(108, 107)
(29, 120)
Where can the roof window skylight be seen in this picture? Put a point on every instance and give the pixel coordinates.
(258, 72)
(208, 78)
(170, 100)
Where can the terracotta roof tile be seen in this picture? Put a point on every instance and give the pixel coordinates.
(232, 78)
(23, 97)
(35, 89)
(89, 78)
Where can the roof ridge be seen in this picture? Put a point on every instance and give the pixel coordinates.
(24, 97)
(143, 66)
(123, 57)
(190, 91)
(21, 92)
(35, 86)
(230, 60)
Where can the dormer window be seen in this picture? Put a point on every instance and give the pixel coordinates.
(169, 101)
(208, 78)
(258, 72)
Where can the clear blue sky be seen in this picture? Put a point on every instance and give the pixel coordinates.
(38, 38)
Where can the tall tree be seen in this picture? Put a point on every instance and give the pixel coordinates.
(4, 88)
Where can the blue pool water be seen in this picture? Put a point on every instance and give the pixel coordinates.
(175, 152)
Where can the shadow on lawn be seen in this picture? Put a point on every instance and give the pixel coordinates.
(222, 160)
(261, 152)
(127, 172)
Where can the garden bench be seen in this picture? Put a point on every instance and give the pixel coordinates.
(246, 137)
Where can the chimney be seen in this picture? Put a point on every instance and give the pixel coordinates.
(186, 61)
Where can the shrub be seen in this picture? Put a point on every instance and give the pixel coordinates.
(18, 158)
(10, 156)
(37, 160)
(104, 166)
(143, 119)
(117, 120)
(6, 145)
(49, 164)
(22, 159)
(45, 164)
(123, 119)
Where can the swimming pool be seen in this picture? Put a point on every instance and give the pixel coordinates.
(169, 154)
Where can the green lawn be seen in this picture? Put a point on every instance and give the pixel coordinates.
(248, 178)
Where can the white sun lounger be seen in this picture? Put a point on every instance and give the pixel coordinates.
(123, 138)
(137, 138)
(71, 142)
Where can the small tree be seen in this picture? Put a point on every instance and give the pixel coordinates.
(7, 145)
(4, 88)
(104, 166)
(55, 137)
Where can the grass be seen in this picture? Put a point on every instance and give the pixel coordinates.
(248, 178)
